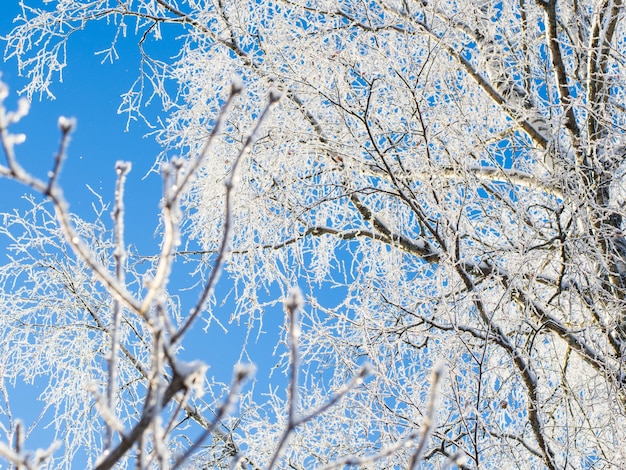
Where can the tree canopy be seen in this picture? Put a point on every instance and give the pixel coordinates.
(452, 172)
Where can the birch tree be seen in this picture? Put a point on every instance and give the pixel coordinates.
(443, 179)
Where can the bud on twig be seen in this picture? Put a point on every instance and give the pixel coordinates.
(66, 125)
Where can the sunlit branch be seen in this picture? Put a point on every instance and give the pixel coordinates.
(66, 126)
(429, 422)
(230, 184)
(423, 248)
(122, 168)
(170, 217)
(292, 306)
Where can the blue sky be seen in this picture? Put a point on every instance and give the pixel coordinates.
(90, 91)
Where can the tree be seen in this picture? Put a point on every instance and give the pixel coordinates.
(454, 170)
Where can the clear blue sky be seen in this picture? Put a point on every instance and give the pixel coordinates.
(90, 91)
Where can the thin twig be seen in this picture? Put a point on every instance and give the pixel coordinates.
(429, 422)
(292, 306)
(122, 169)
(171, 200)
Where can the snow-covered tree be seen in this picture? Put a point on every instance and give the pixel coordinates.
(444, 179)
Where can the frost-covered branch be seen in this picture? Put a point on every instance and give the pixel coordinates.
(230, 184)
(120, 256)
